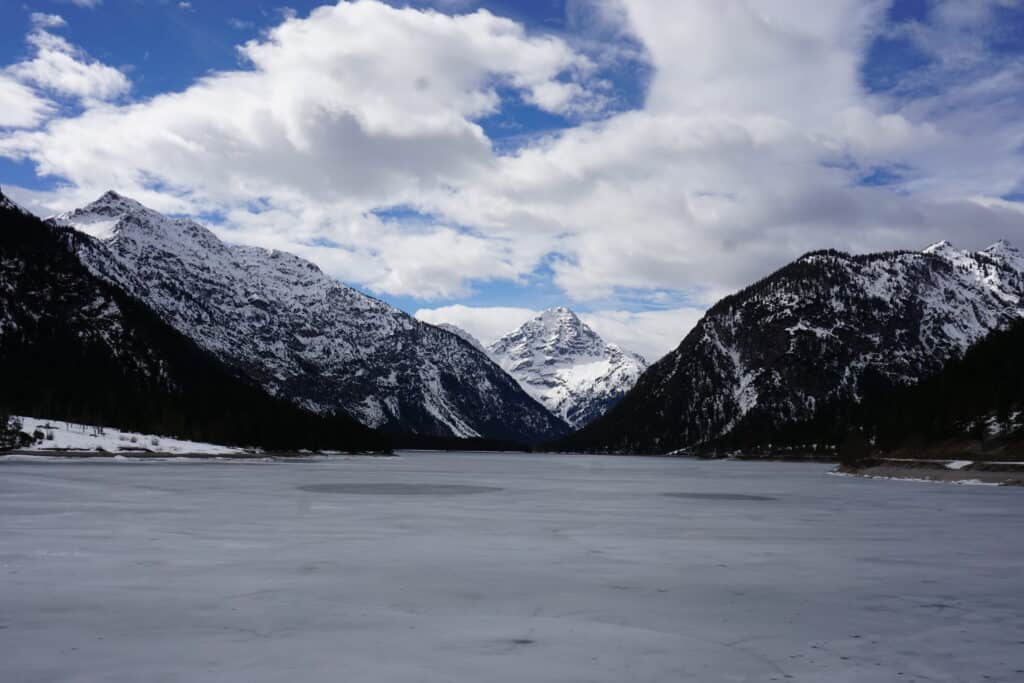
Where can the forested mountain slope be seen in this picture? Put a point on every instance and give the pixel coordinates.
(75, 347)
(302, 335)
(812, 339)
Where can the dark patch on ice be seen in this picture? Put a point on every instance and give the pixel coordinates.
(523, 641)
(719, 496)
(399, 489)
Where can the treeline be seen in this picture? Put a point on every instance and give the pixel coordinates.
(974, 403)
(73, 347)
(975, 400)
(983, 388)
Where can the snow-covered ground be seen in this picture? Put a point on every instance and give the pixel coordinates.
(547, 568)
(70, 436)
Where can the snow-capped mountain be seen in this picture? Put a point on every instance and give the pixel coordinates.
(820, 331)
(75, 347)
(302, 335)
(566, 366)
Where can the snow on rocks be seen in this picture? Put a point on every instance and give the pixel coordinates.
(813, 334)
(559, 360)
(300, 333)
(958, 464)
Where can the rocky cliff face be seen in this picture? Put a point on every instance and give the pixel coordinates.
(566, 366)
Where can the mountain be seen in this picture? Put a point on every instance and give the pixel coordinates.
(300, 334)
(810, 340)
(566, 366)
(74, 347)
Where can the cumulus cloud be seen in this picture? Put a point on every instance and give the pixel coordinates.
(42, 20)
(754, 143)
(358, 106)
(652, 334)
(750, 149)
(486, 323)
(60, 67)
(20, 106)
(84, 3)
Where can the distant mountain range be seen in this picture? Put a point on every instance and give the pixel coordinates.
(808, 343)
(116, 314)
(301, 335)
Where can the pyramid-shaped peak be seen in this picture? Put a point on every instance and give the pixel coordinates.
(565, 364)
(115, 216)
(559, 313)
(112, 199)
(940, 247)
(1001, 247)
(561, 322)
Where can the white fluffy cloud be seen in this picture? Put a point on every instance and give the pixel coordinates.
(750, 147)
(60, 67)
(652, 334)
(43, 20)
(358, 106)
(749, 151)
(20, 106)
(486, 323)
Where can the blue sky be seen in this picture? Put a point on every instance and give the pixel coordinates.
(634, 159)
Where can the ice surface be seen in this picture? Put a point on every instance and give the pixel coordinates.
(579, 568)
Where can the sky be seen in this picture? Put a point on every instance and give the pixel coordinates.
(475, 162)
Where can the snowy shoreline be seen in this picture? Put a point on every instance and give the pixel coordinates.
(964, 472)
(62, 440)
(133, 457)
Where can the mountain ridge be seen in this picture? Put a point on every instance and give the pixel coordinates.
(73, 346)
(302, 335)
(821, 330)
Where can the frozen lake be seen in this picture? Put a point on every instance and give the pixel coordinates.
(492, 567)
